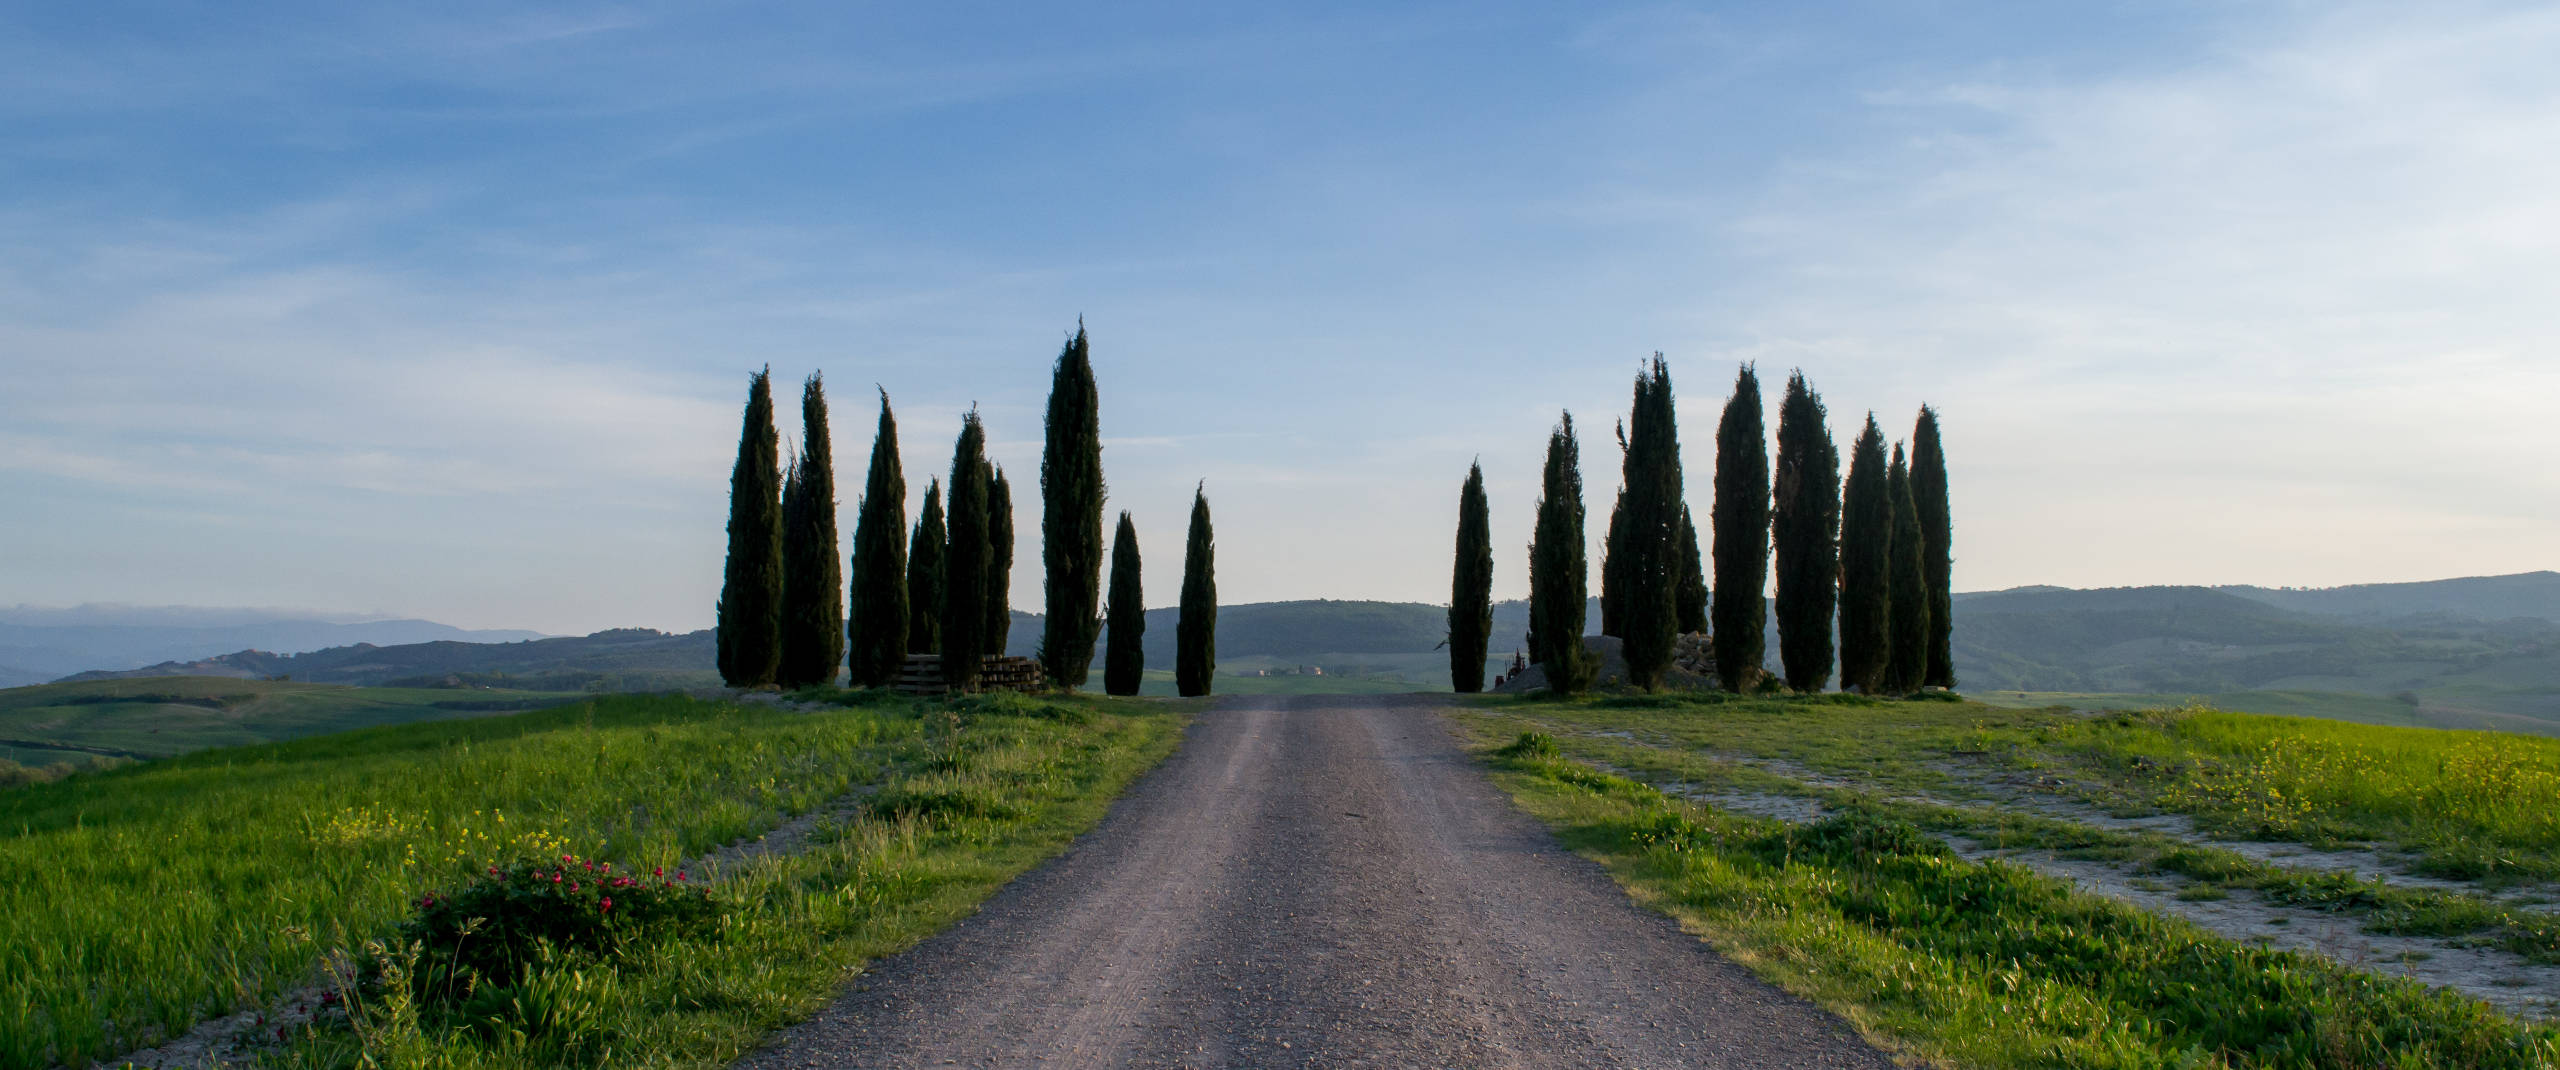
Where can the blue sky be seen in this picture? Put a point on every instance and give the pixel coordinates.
(448, 310)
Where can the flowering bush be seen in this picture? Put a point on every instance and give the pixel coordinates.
(488, 931)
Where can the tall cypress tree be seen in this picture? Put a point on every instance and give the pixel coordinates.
(1471, 587)
(1937, 555)
(1558, 570)
(1805, 516)
(749, 632)
(964, 577)
(876, 633)
(812, 574)
(1613, 561)
(1692, 592)
(1650, 609)
(1071, 494)
(1740, 518)
(1866, 553)
(1196, 633)
(1908, 585)
(999, 617)
(1124, 665)
(928, 566)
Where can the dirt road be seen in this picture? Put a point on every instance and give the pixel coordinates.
(1322, 882)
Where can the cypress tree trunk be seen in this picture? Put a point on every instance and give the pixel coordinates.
(1937, 555)
(1649, 609)
(876, 634)
(812, 574)
(964, 576)
(1909, 586)
(1196, 634)
(999, 618)
(1558, 570)
(1071, 494)
(1471, 587)
(928, 561)
(749, 630)
(1740, 518)
(1124, 665)
(1805, 515)
(1613, 561)
(1693, 578)
(1866, 553)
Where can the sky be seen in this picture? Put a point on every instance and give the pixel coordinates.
(448, 310)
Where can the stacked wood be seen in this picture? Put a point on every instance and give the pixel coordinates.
(922, 675)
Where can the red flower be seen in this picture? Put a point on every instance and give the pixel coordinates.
(573, 886)
(679, 874)
(608, 902)
(658, 871)
(493, 871)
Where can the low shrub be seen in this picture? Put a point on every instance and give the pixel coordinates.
(1529, 745)
(492, 929)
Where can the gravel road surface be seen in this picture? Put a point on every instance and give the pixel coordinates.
(1315, 881)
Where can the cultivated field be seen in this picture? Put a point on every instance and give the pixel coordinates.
(144, 900)
(2046, 887)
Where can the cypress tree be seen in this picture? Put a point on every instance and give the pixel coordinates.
(1471, 587)
(1740, 518)
(812, 574)
(1937, 555)
(1124, 665)
(1196, 633)
(1692, 600)
(1908, 585)
(1866, 553)
(749, 614)
(1558, 570)
(1613, 561)
(928, 565)
(876, 633)
(1071, 495)
(1649, 610)
(999, 626)
(964, 577)
(1805, 515)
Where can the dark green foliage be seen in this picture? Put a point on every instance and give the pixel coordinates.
(876, 633)
(964, 577)
(1558, 570)
(1740, 518)
(1071, 495)
(1196, 634)
(928, 569)
(1471, 587)
(1691, 595)
(1866, 554)
(1649, 610)
(1614, 561)
(1805, 516)
(1907, 665)
(999, 615)
(750, 609)
(1937, 555)
(1124, 664)
(488, 931)
(812, 575)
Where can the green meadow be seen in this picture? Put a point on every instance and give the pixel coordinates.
(156, 717)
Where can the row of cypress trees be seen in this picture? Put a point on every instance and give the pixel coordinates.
(944, 588)
(1874, 554)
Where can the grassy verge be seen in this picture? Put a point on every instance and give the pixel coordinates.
(1991, 965)
(143, 899)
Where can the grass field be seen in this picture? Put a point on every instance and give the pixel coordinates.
(143, 899)
(163, 716)
(2501, 709)
(1993, 964)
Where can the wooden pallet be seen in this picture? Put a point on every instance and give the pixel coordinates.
(922, 675)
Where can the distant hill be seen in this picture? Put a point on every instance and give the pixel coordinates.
(2533, 595)
(622, 659)
(157, 717)
(38, 644)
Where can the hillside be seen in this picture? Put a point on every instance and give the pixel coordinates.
(42, 644)
(157, 717)
(2481, 598)
(621, 659)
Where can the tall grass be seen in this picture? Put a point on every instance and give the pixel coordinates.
(136, 902)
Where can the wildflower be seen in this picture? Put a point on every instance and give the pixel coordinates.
(657, 871)
(608, 903)
(679, 874)
(573, 886)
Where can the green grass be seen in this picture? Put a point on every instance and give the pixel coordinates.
(158, 717)
(143, 899)
(1991, 965)
(2529, 710)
